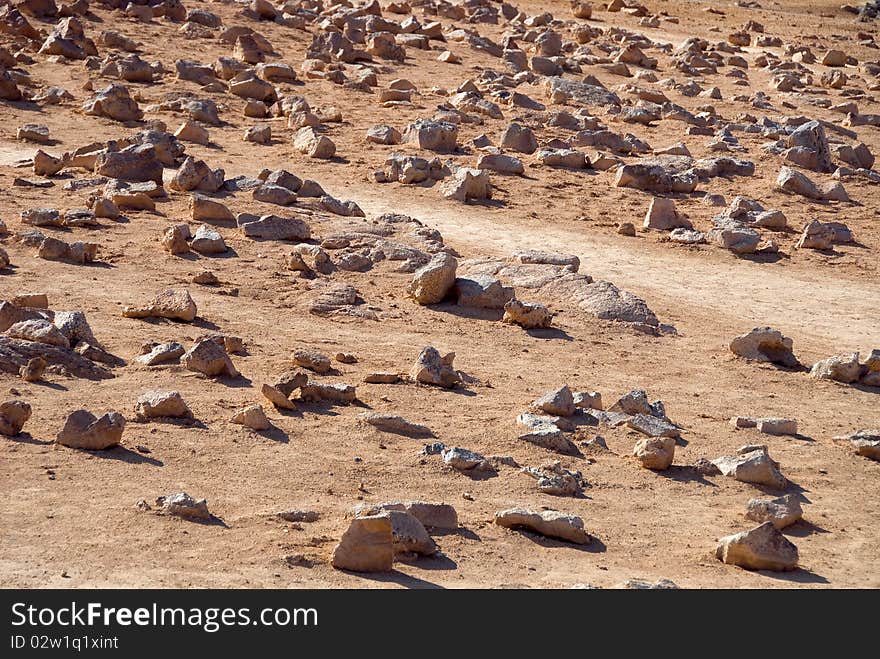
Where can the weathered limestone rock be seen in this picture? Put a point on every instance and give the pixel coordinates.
(816, 235)
(253, 417)
(431, 283)
(529, 315)
(396, 424)
(765, 344)
(780, 512)
(162, 352)
(173, 303)
(648, 424)
(518, 138)
(183, 505)
(115, 103)
(554, 480)
(366, 546)
(208, 357)
(13, 415)
(431, 368)
(865, 442)
(312, 360)
(274, 227)
(752, 464)
(557, 402)
(160, 404)
(176, 239)
(464, 460)
(208, 241)
(205, 209)
(409, 536)
(86, 431)
(482, 291)
(655, 452)
(335, 394)
(313, 144)
(548, 523)
(761, 548)
(662, 215)
(436, 516)
(841, 368)
(134, 163)
(39, 331)
(772, 426)
(466, 184)
(439, 136)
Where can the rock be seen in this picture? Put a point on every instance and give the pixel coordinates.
(431, 283)
(13, 415)
(382, 377)
(466, 184)
(529, 315)
(296, 516)
(439, 136)
(548, 523)
(503, 164)
(161, 404)
(183, 505)
(382, 134)
(644, 584)
(461, 459)
(190, 131)
(175, 304)
(277, 397)
(85, 431)
(366, 546)
(550, 437)
(163, 352)
(431, 368)
(33, 370)
(765, 344)
(587, 400)
(636, 402)
(482, 291)
(556, 481)
(518, 138)
(312, 360)
(409, 536)
(559, 402)
(33, 133)
(342, 394)
(115, 103)
(396, 424)
(652, 426)
(865, 442)
(205, 209)
(207, 357)
(780, 512)
(655, 452)
(313, 144)
(253, 417)
(436, 516)
(736, 237)
(761, 548)
(793, 181)
(841, 368)
(273, 227)
(260, 134)
(175, 239)
(816, 235)
(40, 331)
(777, 426)
(752, 465)
(208, 241)
(663, 216)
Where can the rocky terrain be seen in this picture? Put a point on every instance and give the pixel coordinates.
(439, 294)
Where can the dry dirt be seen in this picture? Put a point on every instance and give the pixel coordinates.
(68, 517)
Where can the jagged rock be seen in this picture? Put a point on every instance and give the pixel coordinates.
(652, 426)
(173, 303)
(366, 546)
(841, 368)
(431, 368)
(176, 239)
(208, 241)
(461, 459)
(438, 516)
(865, 442)
(206, 209)
(39, 331)
(553, 479)
(134, 163)
(15, 353)
(752, 465)
(816, 235)
(382, 134)
(86, 431)
(518, 138)
(760, 548)
(115, 103)
(342, 394)
(501, 163)
(662, 215)
(312, 360)
(467, 184)
(163, 352)
(765, 344)
(551, 437)
(482, 291)
(273, 227)
(207, 357)
(548, 523)
(253, 417)
(396, 424)
(13, 415)
(431, 283)
(277, 397)
(655, 452)
(440, 136)
(408, 534)
(558, 402)
(313, 144)
(777, 426)
(529, 315)
(161, 404)
(780, 512)
(183, 505)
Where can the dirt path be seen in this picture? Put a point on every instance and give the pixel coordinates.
(839, 313)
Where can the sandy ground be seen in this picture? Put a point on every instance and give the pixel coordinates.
(68, 517)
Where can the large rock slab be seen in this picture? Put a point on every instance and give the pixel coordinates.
(86, 431)
(549, 523)
(760, 548)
